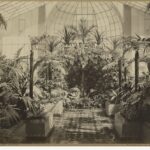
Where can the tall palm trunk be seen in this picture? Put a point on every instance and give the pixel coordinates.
(136, 70)
(82, 83)
(46, 77)
(148, 66)
(125, 74)
(83, 40)
(120, 73)
(31, 72)
(49, 75)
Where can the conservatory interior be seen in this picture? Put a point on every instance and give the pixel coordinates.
(74, 72)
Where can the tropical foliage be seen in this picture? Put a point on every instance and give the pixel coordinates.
(100, 72)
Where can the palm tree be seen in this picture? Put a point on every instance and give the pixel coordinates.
(34, 42)
(83, 30)
(98, 37)
(14, 81)
(67, 35)
(118, 58)
(52, 43)
(139, 42)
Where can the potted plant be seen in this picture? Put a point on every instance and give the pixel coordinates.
(145, 116)
(146, 123)
(40, 122)
(128, 120)
(8, 111)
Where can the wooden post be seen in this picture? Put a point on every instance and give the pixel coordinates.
(31, 72)
(120, 73)
(125, 74)
(136, 70)
(49, 75)
(82, 82)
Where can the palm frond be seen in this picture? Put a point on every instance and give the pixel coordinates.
(110, 65)
(2, 21)
(90, 29)
(37, 63)
(18, 52)
(15, 72)
(28, 102)
(68, 35)
(74, 29)
(20, 59)
(10, 114)
(98, 37)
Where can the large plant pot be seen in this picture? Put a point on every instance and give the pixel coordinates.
(7, 124)
(111, 109)
(58, 109)
(39, 126)
(146, 132)
(127, 129)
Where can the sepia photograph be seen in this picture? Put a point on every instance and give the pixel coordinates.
(74, 72)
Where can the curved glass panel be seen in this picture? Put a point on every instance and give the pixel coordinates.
(101, 14)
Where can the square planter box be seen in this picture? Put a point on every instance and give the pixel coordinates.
(127, 129)
(6, 124)
(111, 109)
(39, 126)
(146, 132)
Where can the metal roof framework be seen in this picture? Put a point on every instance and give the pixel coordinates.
(100, 12)
(10, 9)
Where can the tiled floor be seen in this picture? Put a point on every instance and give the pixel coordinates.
(82, 126)
(78, 126)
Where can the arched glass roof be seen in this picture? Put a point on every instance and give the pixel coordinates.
(101, 14)
(11, 9)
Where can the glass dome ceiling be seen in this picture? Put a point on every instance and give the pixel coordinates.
(104, 15)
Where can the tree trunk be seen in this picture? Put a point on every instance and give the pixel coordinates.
(125, 74)
(120, 73)
(148, 66)
(46, 77)
(49, 75)
(82, 83)
(83, 40)
(136, 70)
(31, 72)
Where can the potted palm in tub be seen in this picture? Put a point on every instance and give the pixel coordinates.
(145, 116)
(40, 122)
(128, 120)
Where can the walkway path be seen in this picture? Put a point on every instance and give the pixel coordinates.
(78, 126)
(82, 126)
